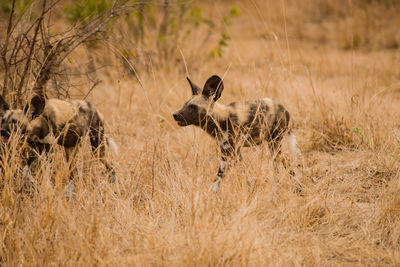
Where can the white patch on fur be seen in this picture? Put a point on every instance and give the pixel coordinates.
(241, 110)
(292, 144)
(27, 175)
(251, 180)
(222, 166)
(112, 146)
(219, 112)
(271, 103)
(215, 186)
(70, 190)
(48, 139)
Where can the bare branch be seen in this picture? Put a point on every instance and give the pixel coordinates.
(67, 45)
(34, 52)
(5, 48)
(28, 63)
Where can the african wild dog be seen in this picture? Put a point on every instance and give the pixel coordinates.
(46, 121)
(237, 124)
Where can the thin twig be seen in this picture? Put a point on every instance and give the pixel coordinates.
(5, 48)
(28, 63)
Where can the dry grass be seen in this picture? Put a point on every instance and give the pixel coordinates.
(345, 107)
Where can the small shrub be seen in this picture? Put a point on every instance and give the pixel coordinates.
(332, 134)
(80, 11)
(20, 6)
(225, 37)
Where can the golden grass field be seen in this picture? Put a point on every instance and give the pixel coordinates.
(336, 68)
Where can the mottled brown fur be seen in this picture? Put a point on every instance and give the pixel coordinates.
(66, 122)
(235, 125)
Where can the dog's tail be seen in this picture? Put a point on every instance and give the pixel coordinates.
(291, 142)
(112, 146)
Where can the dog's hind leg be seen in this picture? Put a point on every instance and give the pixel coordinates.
(27, 178)
(34, 150)
(70, 153)
(99, 142)
(107, 164)
(276, 151)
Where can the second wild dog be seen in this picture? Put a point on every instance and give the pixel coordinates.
(67, 122)
(237, 125)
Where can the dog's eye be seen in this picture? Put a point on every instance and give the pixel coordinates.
(191, 106)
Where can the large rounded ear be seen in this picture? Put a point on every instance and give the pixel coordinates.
(34, 108)
(3, 106)
(213, 87)
(195, 89)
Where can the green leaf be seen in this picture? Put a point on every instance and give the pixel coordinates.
(234, 11)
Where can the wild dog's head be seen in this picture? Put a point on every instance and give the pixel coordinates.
(16, 120)
(195, 110)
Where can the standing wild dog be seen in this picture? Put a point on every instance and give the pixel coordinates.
(63, 121)
(237, 124)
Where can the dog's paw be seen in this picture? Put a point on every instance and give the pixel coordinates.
(70, 190)
(112, 178)
(29, 183)
(251, 181)
(215, 186)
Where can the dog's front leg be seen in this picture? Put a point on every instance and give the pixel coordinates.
(27, 177)
(227, 150)
(70, 153)
(33, 151)
(26, 171)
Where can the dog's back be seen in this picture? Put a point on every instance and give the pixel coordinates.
(259, 119)
(68, 120)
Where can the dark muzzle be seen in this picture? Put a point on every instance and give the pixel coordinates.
(179, 119)
(4, 137)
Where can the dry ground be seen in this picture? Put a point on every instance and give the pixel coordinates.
(344, 98)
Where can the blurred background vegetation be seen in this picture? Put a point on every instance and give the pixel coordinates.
(145, 36)
(178, 35)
